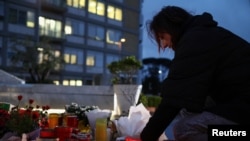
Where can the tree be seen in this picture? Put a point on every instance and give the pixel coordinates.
(124, 70)
(38, 59)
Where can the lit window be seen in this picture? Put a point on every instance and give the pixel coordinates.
(76, 3)
(114, 13)
(21, 17)
(81, 3)
(30, 19)
(78, 82)
(72, 82)
(66, 58)
(57, 53)
(96, 7)
(50, 27)
(113, 36)
(73, 59)
(68, 29)
(66, 82)
(90, 61)
(70, 58)
(74, 27)
(56, 82)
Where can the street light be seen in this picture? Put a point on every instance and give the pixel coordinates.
(122, 40)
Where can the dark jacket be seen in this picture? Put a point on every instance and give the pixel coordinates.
(209, 61)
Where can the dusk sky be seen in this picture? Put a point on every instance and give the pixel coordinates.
(230, 14)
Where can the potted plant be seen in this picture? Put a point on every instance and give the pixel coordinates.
(124, 70)
(126, 91)
(151, 102)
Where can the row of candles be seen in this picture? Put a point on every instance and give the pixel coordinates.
(67, 129)
(62, 128)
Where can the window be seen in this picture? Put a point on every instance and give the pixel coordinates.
(70, 58)
(56, 82)
(114, 13)
(76, 3)
(96, 7)
(74, 27)
(55, 2)
(90, 61)
(96, 32)
(72, 82)
(21, 17)
(50, 27)
(110, 58)
(73, 56)
(52, 55)
(113, 36)
(30, 19)
(94, 62)
(1, 8)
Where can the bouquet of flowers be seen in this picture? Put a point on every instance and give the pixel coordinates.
(79, 111)
(23, 120)
(4, 116)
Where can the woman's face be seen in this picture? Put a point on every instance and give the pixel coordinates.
(165, 40)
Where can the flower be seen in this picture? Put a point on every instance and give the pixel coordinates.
(43, 122)
(25, 120)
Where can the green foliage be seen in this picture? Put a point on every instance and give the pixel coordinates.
(21, 123)
(124, 70)
(80, 111)
(143, 99)
(38, 59)
(154, 101)
(150, 100)
(4, 116)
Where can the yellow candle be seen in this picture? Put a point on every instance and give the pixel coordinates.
(53, 120)
(101, 129)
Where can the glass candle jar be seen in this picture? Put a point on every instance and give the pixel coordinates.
(72, 121)
(101, 129)
(53, 120)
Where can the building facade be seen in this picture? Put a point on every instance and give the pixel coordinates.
(88, 33)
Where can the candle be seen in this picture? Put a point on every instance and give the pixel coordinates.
(63, 133)
(101, 129)
(53, 120)
(72, 121)
(47, 133)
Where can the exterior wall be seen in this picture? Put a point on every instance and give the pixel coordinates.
(58, 96)
(81, 19)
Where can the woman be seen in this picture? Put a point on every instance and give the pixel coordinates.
(210, 63)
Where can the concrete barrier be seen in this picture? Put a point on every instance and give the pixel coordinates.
(58, 96)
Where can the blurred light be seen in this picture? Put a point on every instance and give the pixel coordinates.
(123, 40)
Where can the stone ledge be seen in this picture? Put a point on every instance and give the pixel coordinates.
(58, 96)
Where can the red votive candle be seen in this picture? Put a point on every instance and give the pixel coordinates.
(72, 121)
(128, 138)
(47, 133)
(63, 133)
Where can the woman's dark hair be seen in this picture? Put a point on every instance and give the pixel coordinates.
(170, 19)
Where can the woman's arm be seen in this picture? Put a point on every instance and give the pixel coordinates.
(160, 120)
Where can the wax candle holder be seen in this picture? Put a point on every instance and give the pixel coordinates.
(101, 129)
(72, 121)
(53, 120)
(63, 133)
